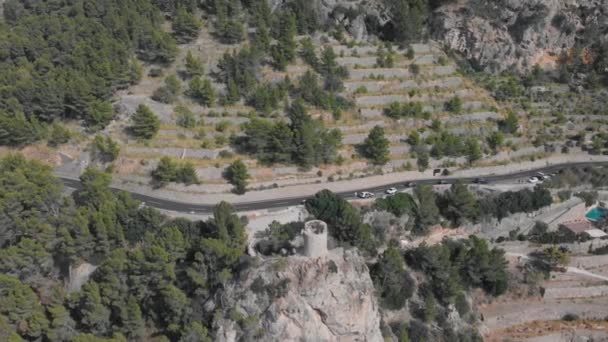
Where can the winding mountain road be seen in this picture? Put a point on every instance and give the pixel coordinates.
(174, 205)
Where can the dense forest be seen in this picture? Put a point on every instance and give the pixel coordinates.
(162, 279)
(154, 273)
(63, 60)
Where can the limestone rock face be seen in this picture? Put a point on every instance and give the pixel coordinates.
(330, 298)
(497, 35)
(350, 14)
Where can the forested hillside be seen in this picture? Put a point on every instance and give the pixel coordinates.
(63, 60)
(153, 277)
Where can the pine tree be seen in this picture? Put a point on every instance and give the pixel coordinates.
(185, 25)
(473, 150)
(145, 123)
(236, 174)
(428, 212)
(284, 52)
(375, 146)
(308, 54)
(202, 91)
(133, 322)
(194, 66)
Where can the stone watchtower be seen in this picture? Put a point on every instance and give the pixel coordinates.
(315, 239)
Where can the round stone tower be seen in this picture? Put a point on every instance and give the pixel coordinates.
(315, 239)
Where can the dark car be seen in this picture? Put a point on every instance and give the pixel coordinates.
(480, 181)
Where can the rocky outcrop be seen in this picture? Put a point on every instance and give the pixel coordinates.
(330, 298)
(349, 14)
(497, 35)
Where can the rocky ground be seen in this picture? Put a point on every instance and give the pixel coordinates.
(323, 299)
(502, 35)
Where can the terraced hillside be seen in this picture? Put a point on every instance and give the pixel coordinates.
(421, 74)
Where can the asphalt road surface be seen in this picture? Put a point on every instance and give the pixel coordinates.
(168, 204)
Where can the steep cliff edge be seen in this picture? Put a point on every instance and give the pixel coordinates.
(330, 298)
(497, 35)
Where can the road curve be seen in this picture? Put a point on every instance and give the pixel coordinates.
(167, 204)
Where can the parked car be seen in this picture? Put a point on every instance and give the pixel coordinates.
(442, 181)
(364, 194)
(480, 181)
(533, 180)
(391, 191)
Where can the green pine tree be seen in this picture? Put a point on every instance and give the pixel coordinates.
(375, 146)
(145, 124)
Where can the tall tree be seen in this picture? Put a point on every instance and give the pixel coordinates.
(375, 146)
(145, 124)
(194, 66)
(202, 91)
(428, 212)
(460, 204)
(284, 51)
(236, 174)
(185, 25)
(391, 279)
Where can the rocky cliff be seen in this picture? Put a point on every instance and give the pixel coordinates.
(297, 298)
(497, 35)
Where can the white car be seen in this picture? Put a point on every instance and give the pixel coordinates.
(533, 180)
(364, 194)
(391, 191)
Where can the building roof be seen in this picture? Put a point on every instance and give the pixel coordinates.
(577, 227)
(595, 233)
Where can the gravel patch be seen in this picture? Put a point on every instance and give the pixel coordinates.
(380, 100)
(211, 173)
(175, 152)
(370, 86)
(473, 117)
(421, 48)
(353, 61)
(449, 82)
(357, 50)
(353, 139)
(399, 150)
(236, 120)
(443, 70)
(370, 113)
(475, 131)
(469, 105)
(364, 127)
(425, 60)
(359, 74)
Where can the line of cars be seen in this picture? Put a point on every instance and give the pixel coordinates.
(367, 194)
(391, 191)
(540, 177)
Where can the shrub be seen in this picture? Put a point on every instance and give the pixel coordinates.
(453, 105)
(169, 170)
(184, 117)
(105, 149)
(59, 135)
